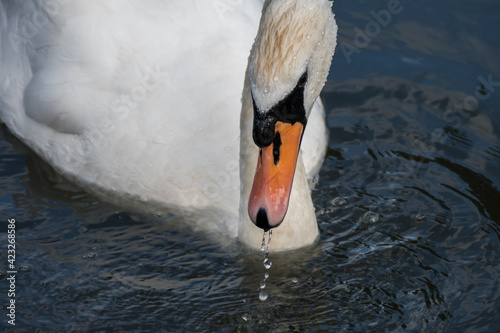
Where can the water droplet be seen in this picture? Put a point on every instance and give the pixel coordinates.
(263, 295)
(393, 206)
(267, 265)
(267, 262)
(266, 91)
(159, 214)
(370, 218)
(339, 202)
(308, 36)
(263, 284)
(295, 280)
(24, 269)
(89, 256)
(419, 218)
(246, 317)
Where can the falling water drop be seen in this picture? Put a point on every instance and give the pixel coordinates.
(419, 218)
(263, 284)
(246, 317)
(263, 295)
(263, 246)
(370, 218)
(25, 269)
(393, 206)
(267, 261)
(89, 256)
(339, 201)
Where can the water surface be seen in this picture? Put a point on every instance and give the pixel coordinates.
(411, 243)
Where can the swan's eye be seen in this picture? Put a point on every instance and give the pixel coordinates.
(263, 127)
(289, 110)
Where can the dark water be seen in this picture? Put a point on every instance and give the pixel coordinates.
(411, 243)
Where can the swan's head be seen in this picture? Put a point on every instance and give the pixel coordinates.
(288, 67)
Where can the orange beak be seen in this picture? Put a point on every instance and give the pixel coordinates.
(273, 179)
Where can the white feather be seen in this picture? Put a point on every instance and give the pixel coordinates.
(137, 102)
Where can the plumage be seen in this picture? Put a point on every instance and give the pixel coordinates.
(139, 103)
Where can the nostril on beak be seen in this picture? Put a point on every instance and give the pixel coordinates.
(262, 221)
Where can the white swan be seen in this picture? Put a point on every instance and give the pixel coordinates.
(139, 103)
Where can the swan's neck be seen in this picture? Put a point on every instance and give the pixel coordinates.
(299, 228)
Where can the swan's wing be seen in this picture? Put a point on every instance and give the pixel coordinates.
(315, 141)
(130, 95)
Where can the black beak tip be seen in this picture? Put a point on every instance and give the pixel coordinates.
(262, 221)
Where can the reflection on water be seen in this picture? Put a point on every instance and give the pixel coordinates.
(407, 204)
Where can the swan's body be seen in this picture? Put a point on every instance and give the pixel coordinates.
(139, 103)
